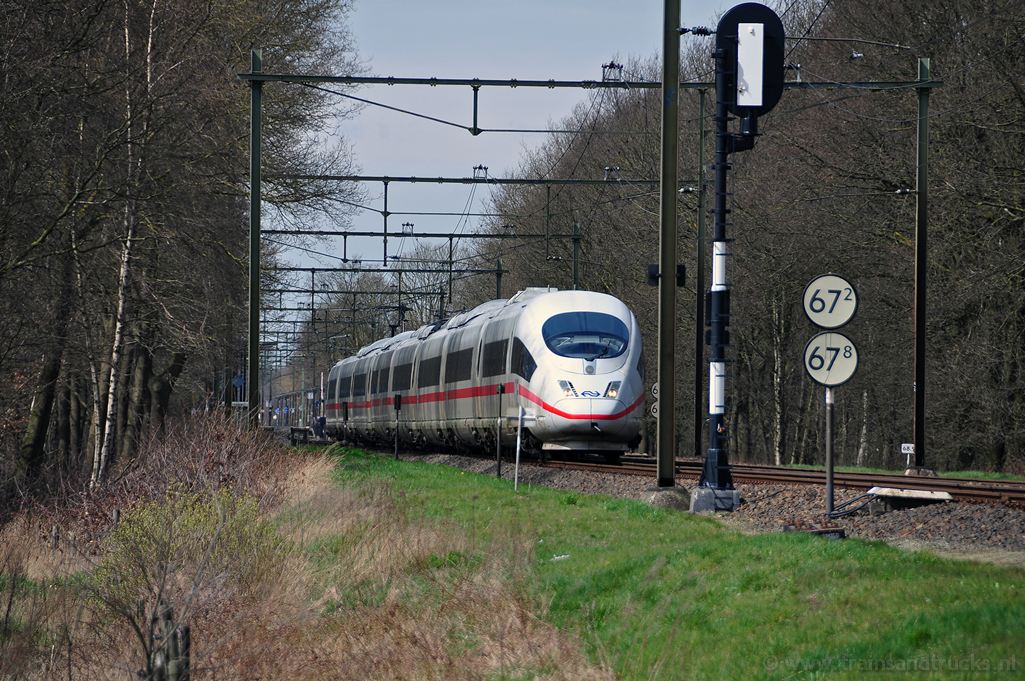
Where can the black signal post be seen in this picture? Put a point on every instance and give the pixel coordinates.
(748, 83)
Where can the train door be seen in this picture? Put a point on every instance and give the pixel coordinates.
(458, 409)
(430, 391)
(493, 366)
(401, 382)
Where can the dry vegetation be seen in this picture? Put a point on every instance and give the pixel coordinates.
(279, 571)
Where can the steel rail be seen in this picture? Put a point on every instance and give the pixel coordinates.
(964, 489)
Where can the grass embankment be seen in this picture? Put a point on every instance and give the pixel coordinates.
(659, 594)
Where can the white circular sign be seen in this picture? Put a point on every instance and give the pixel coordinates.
(830, 358)
(830, 301)
(654, 409)
(654, 390)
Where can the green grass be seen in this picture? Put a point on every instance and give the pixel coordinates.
(979, 475)
(665, 595)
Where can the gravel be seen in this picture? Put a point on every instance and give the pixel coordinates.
(990, 532)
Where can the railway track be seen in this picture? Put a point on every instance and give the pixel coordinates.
(962, 489)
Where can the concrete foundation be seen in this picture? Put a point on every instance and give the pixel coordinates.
(676, 498)
(708, 500)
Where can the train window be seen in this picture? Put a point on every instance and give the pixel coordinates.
(402, 374)
(359, 385)
(458, 366)
(429, 372)
(522, 362)
(381, 379)
(586, 335)
(344, 386)
(493, 358)
(330, 388)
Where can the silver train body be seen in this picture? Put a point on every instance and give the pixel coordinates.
(571, 359)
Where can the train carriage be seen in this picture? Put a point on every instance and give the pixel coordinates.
(571, 359)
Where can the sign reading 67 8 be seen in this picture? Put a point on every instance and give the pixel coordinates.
(830, 358)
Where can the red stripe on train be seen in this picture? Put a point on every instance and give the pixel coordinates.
(485, 391)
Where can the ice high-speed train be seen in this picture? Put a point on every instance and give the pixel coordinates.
(572, 359)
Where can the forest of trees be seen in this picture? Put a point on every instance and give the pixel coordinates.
(123, 226)
(828, 187)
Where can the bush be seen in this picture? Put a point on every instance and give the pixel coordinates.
(190, 542)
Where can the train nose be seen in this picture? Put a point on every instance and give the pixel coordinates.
(593, 417)
(586, 409)
(597, 421)
(606, 407)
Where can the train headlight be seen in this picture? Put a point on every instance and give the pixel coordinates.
(613, 389)
(567, 389)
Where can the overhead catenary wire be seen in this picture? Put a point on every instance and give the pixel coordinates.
(464, 216)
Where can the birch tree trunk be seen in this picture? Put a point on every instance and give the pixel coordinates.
(95, 425)
(133, 177)
(779, 434)
(863, 439)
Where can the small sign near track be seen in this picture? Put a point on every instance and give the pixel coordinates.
(830, 358)
(830, 301)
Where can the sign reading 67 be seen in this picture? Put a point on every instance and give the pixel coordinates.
(830, 358)
(830, 301)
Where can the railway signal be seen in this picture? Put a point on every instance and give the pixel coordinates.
(748, 84)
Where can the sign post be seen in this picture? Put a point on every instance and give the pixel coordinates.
(519, 444)
(398, 408)
(830, 358)
(498, 436)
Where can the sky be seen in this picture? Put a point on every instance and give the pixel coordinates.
(523, 39)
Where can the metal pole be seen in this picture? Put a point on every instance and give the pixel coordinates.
(576, 256)
(829, 449)
(716, 472)
(667, 245)
(548, 221)
(498, 278)
(396, 397)
(921, 259)
(475, 130)
(519, 441)
(498, 437)
(699, 288)
(449, 271)
(385, 214)
(255, 105)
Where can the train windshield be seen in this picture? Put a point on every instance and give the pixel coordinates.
(585, 335)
